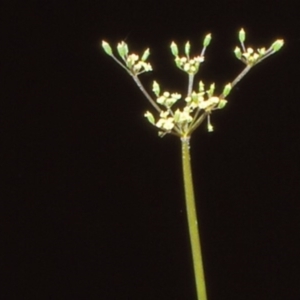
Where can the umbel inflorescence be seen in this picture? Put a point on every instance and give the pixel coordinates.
(199, 102)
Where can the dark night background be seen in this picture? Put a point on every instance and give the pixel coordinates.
(92, 202)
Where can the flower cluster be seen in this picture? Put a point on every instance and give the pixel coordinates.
(205, 99)
(191, 66)
(185, 63)
(133, 63)
(198, 105)
(182, 120)
(251, 57)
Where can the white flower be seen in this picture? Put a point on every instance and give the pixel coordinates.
(132, 58)
(166, 124)
(183, 116)
(209, 102)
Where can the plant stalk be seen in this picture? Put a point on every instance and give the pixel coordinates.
(192, 220)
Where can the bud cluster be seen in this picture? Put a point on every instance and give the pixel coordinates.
(196, 103)
(133, 63)
(251, 57)
(186, 63)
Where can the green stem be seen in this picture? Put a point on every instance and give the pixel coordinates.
(192, 220)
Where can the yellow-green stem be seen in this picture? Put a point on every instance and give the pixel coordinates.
(192, 220)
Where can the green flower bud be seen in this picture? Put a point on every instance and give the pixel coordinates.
(122, 49)
(207, 40)
(178, 62)
(177, 115)
(277, 45)
(174, 49)
(222, 103)
(238, 53)
(201, 87)
(211, 90)
(242, 36)
(226, 90)
(145, 55)
(150, 117)
(156, 88)
(187, 49)
(106, 47)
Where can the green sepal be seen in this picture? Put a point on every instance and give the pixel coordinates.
(187, 48)
(238, 53)
(106, 47)
(222, 103)
(145, 55)
(207, 40)
(201, 87)
(178, 62)
(242, 36)
(150, 117)
(122, 49)
(174, 49)
(156, 88)
(211, 90)
(226, 90)
(277, 45)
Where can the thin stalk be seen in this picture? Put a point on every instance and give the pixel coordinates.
(198, 122)
(190, 85)
(192, 220)
(141, 87)
(241, 75)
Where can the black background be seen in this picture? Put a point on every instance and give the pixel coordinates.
(92, 203)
